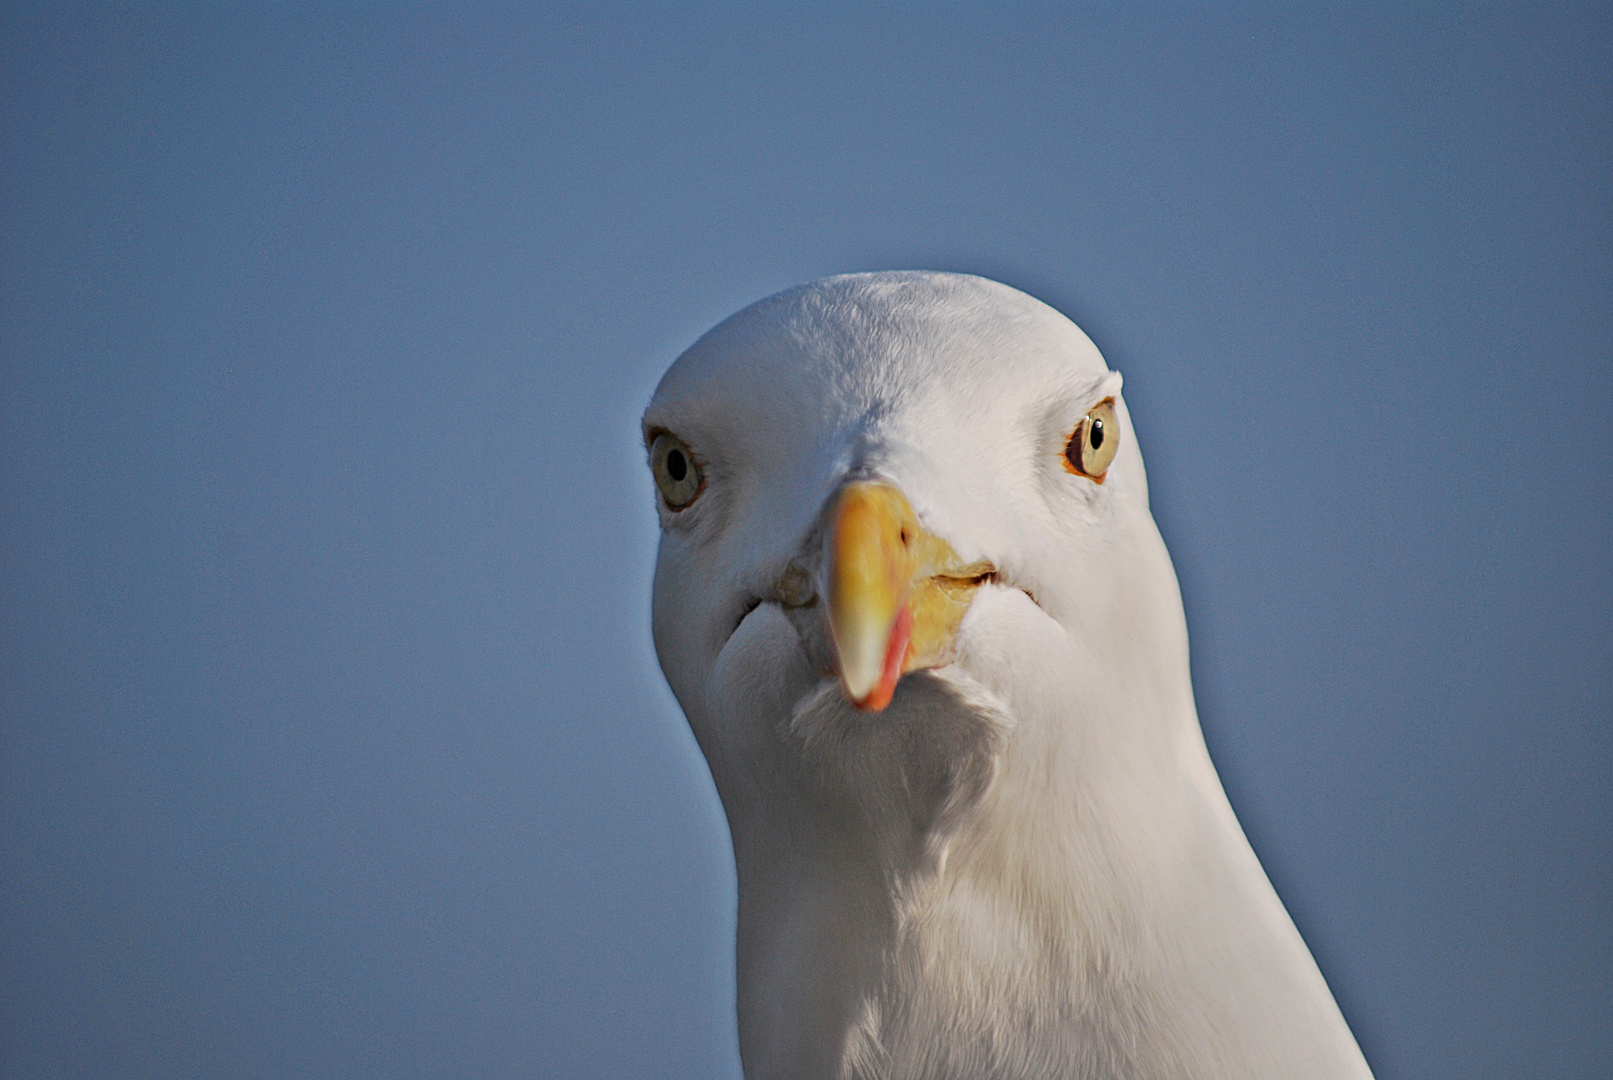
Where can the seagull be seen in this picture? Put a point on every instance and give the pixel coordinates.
(912, 600)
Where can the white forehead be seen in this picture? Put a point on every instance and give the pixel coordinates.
(953, 386)
(848, 350)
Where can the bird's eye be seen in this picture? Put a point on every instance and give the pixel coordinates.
(676, 473)
(1092, 447)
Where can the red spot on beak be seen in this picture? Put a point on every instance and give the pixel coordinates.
(895, 660)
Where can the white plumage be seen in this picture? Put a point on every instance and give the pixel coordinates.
(1025, 865)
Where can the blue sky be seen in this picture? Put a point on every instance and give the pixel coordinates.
(333, 743)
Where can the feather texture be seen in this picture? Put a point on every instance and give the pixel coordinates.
(1025, 866)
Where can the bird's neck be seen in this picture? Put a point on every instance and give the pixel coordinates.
(959, 865)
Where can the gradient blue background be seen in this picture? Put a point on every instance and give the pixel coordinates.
(333, 741)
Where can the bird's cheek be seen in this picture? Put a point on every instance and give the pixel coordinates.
(759, 675)
(1005, 630)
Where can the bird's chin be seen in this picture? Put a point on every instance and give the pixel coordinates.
(827, 700)
(783, 656)
(910, 772)
(1002, 611)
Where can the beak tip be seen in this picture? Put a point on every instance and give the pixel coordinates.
(876, 699)
(863, 683)
(870, 689)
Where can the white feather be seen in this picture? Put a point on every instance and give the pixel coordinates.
(1026, 865)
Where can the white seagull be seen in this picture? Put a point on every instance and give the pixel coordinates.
(913, 602)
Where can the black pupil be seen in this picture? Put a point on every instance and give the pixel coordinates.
(1096, 438)
(678, 468)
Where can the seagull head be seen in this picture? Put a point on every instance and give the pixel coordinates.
(875, 479)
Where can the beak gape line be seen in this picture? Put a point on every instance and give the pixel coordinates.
(896, 592)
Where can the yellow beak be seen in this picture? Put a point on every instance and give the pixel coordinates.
(896, 592)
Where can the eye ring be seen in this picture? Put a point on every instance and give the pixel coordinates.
(1093, 444)
(677, 472)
